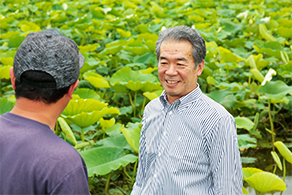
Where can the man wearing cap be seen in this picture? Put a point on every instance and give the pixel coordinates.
(33, 160)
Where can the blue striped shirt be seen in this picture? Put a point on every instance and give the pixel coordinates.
(188, 147)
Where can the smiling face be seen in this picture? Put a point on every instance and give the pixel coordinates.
(176, 69)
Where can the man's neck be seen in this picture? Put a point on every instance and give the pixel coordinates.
(38, 111)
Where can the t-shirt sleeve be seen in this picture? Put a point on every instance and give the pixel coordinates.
(75, 182)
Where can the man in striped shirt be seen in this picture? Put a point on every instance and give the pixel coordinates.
(188, 142)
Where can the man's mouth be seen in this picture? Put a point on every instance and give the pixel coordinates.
(171, 82)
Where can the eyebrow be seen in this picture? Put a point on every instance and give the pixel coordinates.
(178, 59)
(181, 59)
(162, 58)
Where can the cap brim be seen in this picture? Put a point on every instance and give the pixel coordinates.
(81, 60)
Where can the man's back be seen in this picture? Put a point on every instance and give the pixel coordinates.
(35, 161)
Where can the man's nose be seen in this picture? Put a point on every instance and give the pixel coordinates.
(171, 70)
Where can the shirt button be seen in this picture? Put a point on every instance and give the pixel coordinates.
(155, 175)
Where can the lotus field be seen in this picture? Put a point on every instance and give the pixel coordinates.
(248, 70)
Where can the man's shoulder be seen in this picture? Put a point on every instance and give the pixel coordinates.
(153, 104)
(61, 150)
(155, 101)
(37, 140)
(214, 106)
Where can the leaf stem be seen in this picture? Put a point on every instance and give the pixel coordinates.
(272, 125)
(135, 100)
(103, 94)
(121, 189)
(126, 173)
(82, 135)
(284, 172)
(134, 172)
(107, 183)
(143, 105)
(275, 169)
(131, 101)
(284, 169)
(91, 179)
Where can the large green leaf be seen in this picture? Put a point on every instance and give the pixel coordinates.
(135, 80)
(86, 93)
(286, 70)
(98, 82)
(265, 34)
(231, 86)
(277, 159)
(284, 32)
(124, 34)
(285, 152)
(79, 106)
(224, 97)
(88, 48)
(264, 182)
(132, 135)
(28, 27)
(245, 141)
(271, 48)
(249, 171)
(102, 160)
(243, 122)
(107, 123)
(229, 26)
(275, 90)
(5, 105)
(116, 139)
(227, 56)
(152, 95)
(85, 119)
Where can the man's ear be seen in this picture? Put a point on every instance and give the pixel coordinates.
(72, 88)
(12, 77)
(200, 68)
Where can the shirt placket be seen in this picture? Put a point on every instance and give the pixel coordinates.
(163, 145)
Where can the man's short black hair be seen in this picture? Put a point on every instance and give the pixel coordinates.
(47, 96)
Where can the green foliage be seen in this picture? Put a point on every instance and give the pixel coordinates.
(67, 130)
(132, 134)
(248, 69)
(285, 152)
(264, 182)
(6, 105)
(102, 160)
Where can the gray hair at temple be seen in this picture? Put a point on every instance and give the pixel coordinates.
(179, 33)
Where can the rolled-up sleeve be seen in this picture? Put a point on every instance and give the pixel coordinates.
(225, 158)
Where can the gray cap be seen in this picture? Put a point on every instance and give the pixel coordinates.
(51, 52)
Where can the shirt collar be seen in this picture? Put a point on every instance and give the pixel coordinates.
(183, 101)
